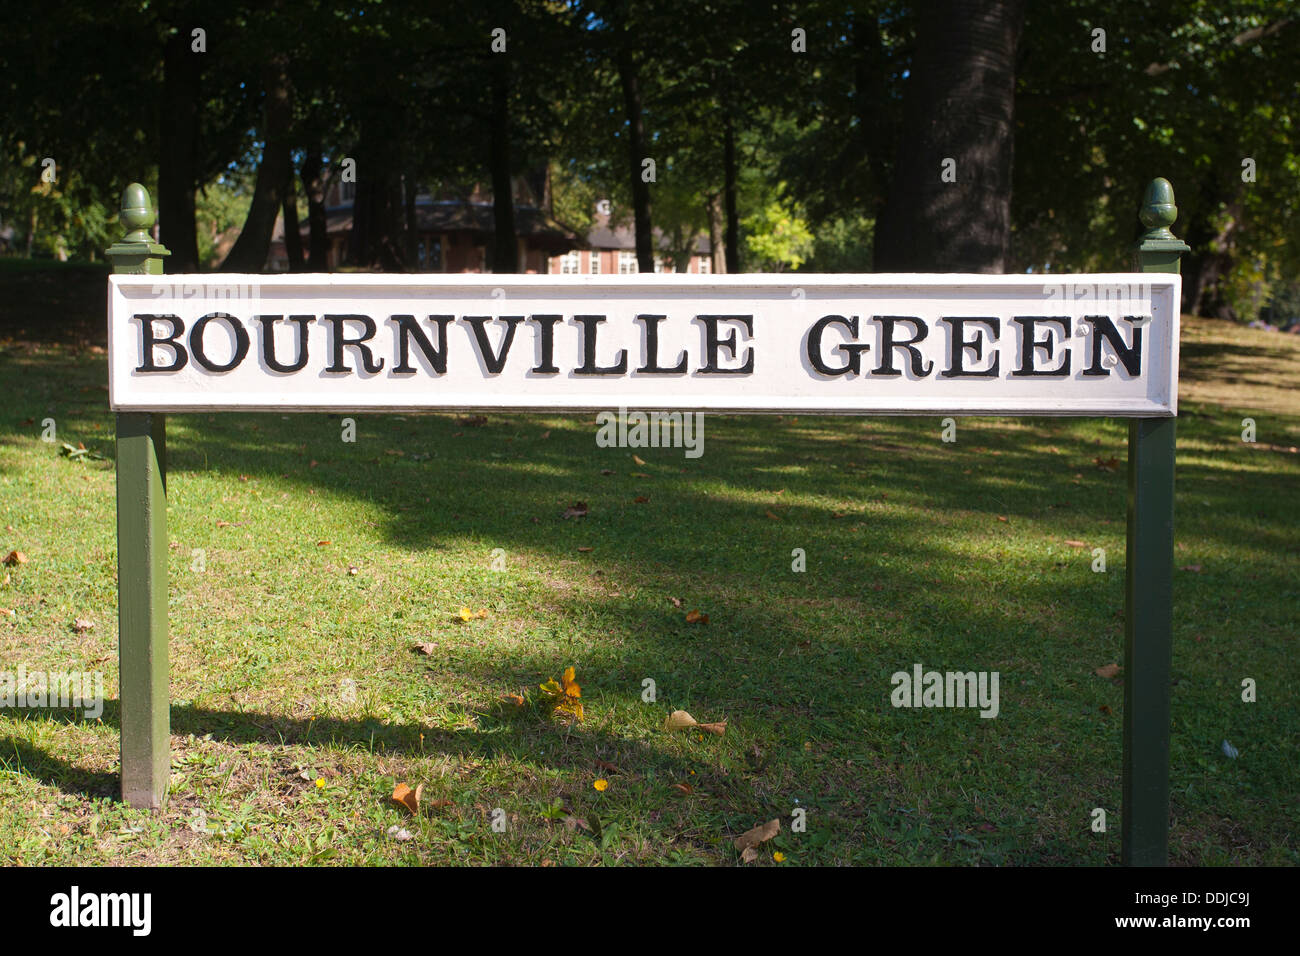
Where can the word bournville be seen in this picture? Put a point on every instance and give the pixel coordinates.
(895, 344)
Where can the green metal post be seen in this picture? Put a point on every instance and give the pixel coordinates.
(1149, 569)
(142, 554)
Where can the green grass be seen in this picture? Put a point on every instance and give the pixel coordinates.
(908, 559)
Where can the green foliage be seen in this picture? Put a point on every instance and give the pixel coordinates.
(842, 244)
(220, 206)
(777, 238)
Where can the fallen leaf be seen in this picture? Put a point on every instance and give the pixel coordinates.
(693, 617)
(749, 855)
(677, 602)
(576, 510)
(680, 720)
(1001, 518)
(719, 728)
(637, 459)
(14, 558)
(759, 834)
(1106, 464)
(574, 823)
(426, 648)
(223, 524)
(1191, 567)
(1108, 671)
(607, 471)
(404, 796)
(773, 517)
(640, 499)
(1075, 544)
(473, 421)
(545, 434)
(397, 833)
(81, 625)
(685, 788)
(394, 451)
(607, 766)
(516, 699)
(584, 550)
(839, 514)
(319, 544)
(638, 474)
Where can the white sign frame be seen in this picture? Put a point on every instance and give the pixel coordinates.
(783, 308)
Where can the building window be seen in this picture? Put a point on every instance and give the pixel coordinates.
(705, 265)
(569, 264)
(626, 262)
(660, 265)
(595, 263)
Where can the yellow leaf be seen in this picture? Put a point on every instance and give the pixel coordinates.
(466, 614)
(679, 720)
(404, 796)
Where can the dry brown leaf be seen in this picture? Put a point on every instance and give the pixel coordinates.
(677, 602)
(404, 796)
(1107, 670)
(694, 617)
(15, 558)
(1003, 518)
(1075, 544)
(680, 720)
(759, 834)
(749, 855)
(608, 767)
(584, 550)
(516, 699)
(1195, 568)
(574, 823)
(640, 499)
(719, 728)
(684, 788)
(546, 434)
(322, 544)
(638, 474)
(426, 648)
(637, 459)
(81, 625)
(576, 510)
(773, 517)
(473, 421)
(223, 524)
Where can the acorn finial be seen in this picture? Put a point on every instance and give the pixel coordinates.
(1158, 210)
(137, 213)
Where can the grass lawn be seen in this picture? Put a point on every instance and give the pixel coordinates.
(304, 570)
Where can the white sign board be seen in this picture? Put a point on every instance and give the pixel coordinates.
(1095, 345)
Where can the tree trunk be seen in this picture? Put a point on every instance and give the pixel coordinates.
(254, 243)
(292, 238)
(636, 149)
(505, 238)
(717, 246)
(313, 183)
(177, 161)
(958, 112)
(732, 242)
(410, 232)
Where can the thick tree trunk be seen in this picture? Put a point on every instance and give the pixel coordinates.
(178, 125)
(292, 238)
(254, 243)
(717, 246)
(636, 150)
(410, 232)
(949, 207)
(732, 242)
(505, 238)
(312, 175)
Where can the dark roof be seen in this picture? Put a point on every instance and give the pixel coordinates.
(603, 235)
(461, 216)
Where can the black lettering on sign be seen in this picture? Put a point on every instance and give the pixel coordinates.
(546, 336)
(888, 344)
(854, 352)
(652, 366)
(959, 345)
(340, 340)
(712, 343)
(1103, 329)
(589, 325)
(200, 353)
(493, 363)
(1030, 345)
(407, 328)
(268, 342)
(148, 340)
